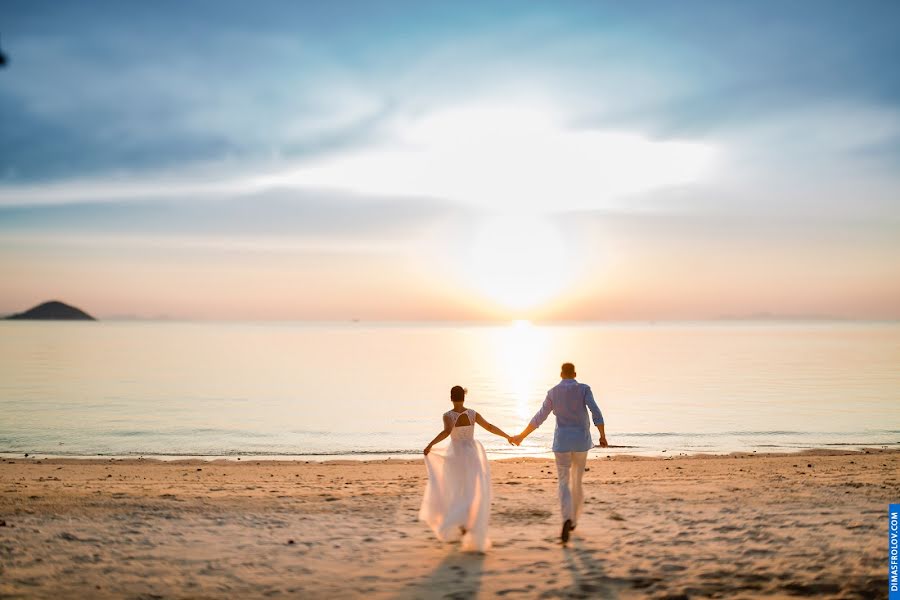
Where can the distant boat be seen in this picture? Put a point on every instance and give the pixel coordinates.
(53, 311)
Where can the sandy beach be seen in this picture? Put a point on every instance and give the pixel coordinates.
(738, 526)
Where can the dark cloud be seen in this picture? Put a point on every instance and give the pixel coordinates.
(281, 213)
(740, 63)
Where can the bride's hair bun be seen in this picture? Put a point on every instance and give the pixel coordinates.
(458, 393)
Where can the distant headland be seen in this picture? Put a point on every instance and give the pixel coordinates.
(52, 311)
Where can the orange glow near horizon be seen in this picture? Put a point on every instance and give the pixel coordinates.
(495, 269)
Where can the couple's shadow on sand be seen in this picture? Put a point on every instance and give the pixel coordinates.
(576, 574)
(457, 576)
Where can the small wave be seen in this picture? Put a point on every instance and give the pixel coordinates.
(863, 444)
(186, 432)
(778, 433)
(661, 434)
(224, 453)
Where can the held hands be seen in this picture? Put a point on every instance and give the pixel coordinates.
(515, 440)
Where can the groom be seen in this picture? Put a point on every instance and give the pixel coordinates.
(570, 402)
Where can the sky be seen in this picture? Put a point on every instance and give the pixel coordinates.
(451, 161)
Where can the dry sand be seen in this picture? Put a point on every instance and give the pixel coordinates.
(810, 524)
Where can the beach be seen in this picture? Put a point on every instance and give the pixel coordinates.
(736, 526)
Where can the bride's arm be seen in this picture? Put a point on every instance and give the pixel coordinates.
(492, 428)
(448, 427)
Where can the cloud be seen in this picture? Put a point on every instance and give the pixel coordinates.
(277, 215)
(507, 158)
(226, 90)
(132, 104)
(493, 158)
(725, 107)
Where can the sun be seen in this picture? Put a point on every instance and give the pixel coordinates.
(519, 262)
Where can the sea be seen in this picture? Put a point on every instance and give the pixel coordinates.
(357, 390)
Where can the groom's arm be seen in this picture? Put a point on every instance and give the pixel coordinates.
(596, 414)
(525, 433)
(539, 417)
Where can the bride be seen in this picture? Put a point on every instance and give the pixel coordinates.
(457, 498)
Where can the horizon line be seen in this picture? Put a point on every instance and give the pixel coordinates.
(475, 321)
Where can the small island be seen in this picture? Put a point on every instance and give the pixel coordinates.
(52, 311)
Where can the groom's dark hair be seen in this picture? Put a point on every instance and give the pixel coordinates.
(567, 370)
(457, 393)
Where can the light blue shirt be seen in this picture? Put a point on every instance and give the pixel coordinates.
(570, 402)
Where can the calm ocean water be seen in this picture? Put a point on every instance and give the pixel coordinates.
(356, 389)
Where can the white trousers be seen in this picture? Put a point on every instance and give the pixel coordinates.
(570, 472)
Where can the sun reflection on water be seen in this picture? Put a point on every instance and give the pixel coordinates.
(521, 353)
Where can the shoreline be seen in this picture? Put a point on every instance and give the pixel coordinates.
(797, 524)
(412, 457)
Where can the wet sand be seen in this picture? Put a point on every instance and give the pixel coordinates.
(741, 526)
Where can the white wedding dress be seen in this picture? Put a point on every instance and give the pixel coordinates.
(458, 491)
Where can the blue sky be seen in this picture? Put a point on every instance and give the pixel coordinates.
(173, 125)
